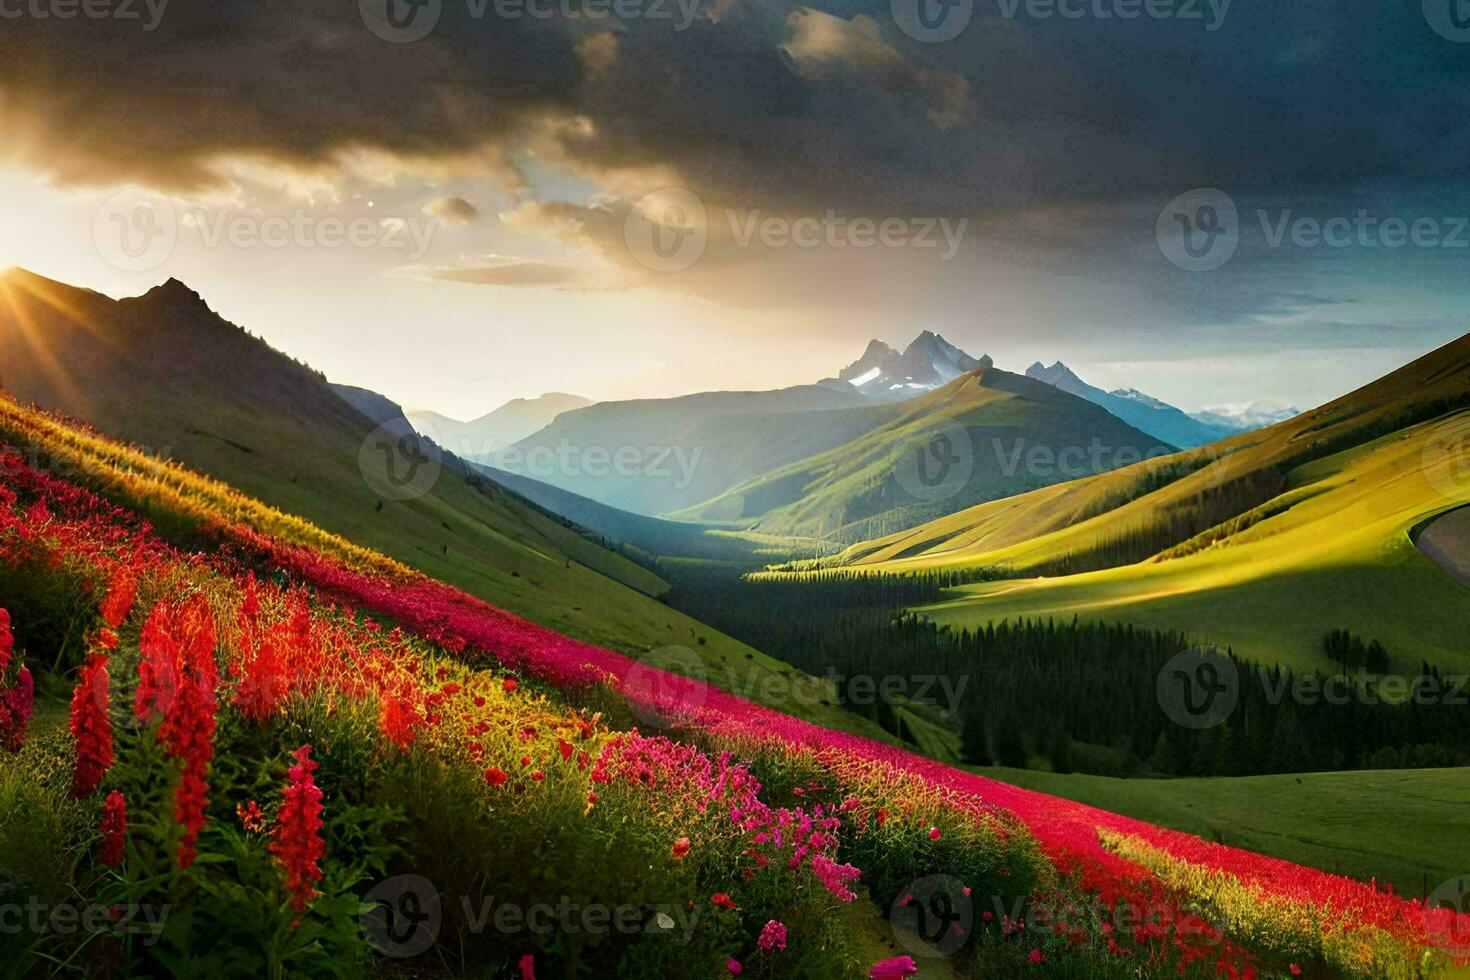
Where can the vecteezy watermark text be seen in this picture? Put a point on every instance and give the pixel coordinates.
(405, 21)
(68, 919)
(148, 12)
(405, 914)
(1200, 687)
(1200, 231)
(668, 230)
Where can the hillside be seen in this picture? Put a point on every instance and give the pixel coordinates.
(1263, 541)
(1402, 827)
(228, 405)
(301, 764)
(678, 452)
(1007, 434)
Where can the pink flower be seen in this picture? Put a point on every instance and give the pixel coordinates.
(773, 937)
(528, 967)
(934, 833)
(1036, 956)
(733, 965)
(895, 968)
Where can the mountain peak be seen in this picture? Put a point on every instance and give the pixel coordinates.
(928, 362)
(175, 293)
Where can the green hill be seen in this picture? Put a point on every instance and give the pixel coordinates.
(227, 404)
(1008, 434)
(678, 452)
(1263, 541)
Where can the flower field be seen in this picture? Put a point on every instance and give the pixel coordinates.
(224, 728)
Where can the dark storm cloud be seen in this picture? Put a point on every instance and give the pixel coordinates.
(754, 104)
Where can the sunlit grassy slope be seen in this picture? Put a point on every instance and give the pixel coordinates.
(1047, 524)
(1405, 827)
(854, 490)
(1332, 550)
(166, 373)
(1340, 556)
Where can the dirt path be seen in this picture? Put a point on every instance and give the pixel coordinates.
(1446, 541)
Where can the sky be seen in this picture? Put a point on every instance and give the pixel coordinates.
(473, 200)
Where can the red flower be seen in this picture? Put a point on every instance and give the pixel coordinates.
(934, 833)
(266, 678)
(7, 641)
(496, 776)
(91, 727)
(565, 748)
(18, 696)
(114, 829)
(681, 848)
(509, 684)
(177, 677)
(16, 702)
(528, 967)
(1296, 971)
(722, 900)
(251, 817)
(1036, 956)
(298, 845)
(121, 591)
(399, 719)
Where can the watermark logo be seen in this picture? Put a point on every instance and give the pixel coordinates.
(1445, 459)
(1199, 231)
(933, 917)
(936, 463)
(1450, 19)
(401, 21)
(135, 230)
(932, 21)
(667, 230)
(403, 916)
(1447, 916)
(398, 464)
(1198, 688)
(666, 686)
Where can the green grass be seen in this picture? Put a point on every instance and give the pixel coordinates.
(1406, 827)
(1337, 558)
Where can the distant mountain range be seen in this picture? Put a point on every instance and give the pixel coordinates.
(1159, 418)
(510, 423)
(930, 361)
